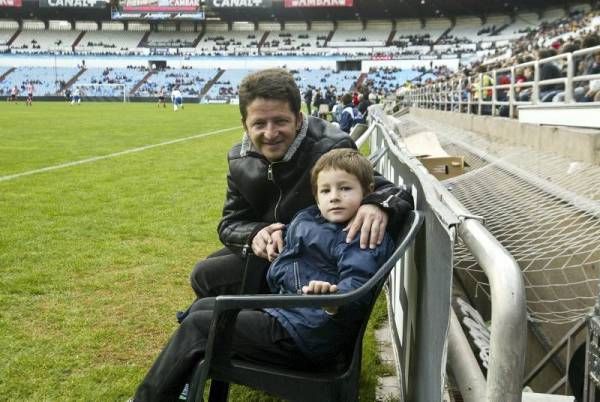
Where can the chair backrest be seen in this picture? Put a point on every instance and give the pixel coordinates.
(357, 131)
(402, 240)
(323, 108)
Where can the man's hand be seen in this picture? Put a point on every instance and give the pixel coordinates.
(275, 246)
(370, 221)
(265, 237)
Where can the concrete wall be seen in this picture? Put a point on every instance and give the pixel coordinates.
(579, 144)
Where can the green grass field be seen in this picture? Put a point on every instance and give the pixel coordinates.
(95, 256)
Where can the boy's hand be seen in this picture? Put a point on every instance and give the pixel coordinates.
(262, 239)
(319, 287)
(371, 221)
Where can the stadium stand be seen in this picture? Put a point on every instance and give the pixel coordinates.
(190, 81)
(227, 85)
(342, 81)
(490, 44)
(47, 81)
(111, 42)
(125, 76)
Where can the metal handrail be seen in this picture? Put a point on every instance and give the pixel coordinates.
(507, 358)
(435, 97)
(566, 342)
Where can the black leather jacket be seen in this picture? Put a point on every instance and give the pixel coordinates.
(260, 192)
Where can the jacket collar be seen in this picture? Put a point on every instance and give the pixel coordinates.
(248, 146)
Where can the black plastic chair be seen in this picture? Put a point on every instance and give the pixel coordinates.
(337, 383)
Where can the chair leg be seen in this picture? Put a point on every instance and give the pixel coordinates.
(219, 391)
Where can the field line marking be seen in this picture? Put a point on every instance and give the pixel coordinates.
(115, 154)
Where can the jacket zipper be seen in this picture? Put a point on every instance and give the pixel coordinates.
(271, 179)
(297, 278)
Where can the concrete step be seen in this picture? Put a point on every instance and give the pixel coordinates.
(535, 397)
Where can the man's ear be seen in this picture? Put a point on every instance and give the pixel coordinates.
(244, 124)
(299, 120)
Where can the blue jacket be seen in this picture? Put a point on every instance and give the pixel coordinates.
(317, 250)
(347, 117)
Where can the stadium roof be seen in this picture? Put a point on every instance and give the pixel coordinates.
(362, 10)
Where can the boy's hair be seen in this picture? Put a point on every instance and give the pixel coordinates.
(272, 83)
(348, 160)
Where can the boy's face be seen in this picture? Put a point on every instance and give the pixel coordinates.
(272, 127)
(339, 195)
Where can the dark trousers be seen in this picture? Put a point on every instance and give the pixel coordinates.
(222, 273)
(257, 337)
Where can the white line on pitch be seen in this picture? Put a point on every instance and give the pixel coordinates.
(127, 151)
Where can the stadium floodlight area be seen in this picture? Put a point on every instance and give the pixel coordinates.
(103, 92)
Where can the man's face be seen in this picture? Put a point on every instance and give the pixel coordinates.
(272, 127)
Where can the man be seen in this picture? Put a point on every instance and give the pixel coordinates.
(350, 115)
(29, 100)
(161, 97)
(76, 98)
(308, 95)
(177, 99)
(269, 182)
(13, 94)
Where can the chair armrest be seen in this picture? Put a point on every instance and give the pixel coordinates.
(223, 303)
(238, 302)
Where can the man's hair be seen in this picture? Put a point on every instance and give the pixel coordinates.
(346, 98)
(273, 84)
(545, 53)
(348, 160)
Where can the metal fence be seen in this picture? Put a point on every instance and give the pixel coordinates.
(471, 95)
(420, 291)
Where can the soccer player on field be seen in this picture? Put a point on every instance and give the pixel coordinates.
(29, 100)
(76, 98)
(177, 98)
(161, 97)
(13, 94)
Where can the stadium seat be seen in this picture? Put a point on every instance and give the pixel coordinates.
(338, 382)
(324, 112)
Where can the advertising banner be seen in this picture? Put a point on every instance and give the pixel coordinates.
(195, 16)
(161, 5)
(73, 4)
(10, 3)
(317, 3)
(239, 3)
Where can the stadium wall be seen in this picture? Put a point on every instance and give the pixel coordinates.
(225, 62)
(576, 143)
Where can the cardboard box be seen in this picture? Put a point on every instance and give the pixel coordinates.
(443, 167)
(426, 147)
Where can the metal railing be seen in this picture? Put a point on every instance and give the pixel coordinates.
(508, 328)
(471, 95)
(566, 345)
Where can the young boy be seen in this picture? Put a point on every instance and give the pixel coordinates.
(315, 259)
